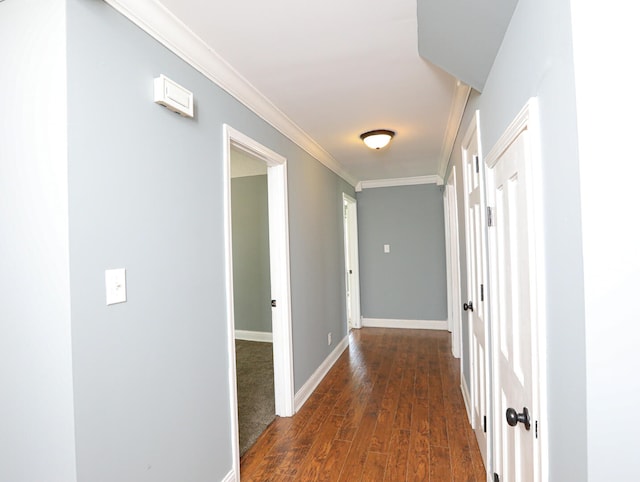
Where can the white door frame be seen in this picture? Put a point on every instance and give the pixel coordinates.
(280, 278)
(452, 245)
(351, 253)
(528, 120)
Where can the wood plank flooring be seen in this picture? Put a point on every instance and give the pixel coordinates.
(389, 410)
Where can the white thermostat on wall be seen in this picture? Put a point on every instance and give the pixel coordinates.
(173, 96)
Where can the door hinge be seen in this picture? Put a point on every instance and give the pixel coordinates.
(496, 477)
(273, 303)
(484, 424)
(489, 216)
(476, 159)
(481, 292)
(536, 429)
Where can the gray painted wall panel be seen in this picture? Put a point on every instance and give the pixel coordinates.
(251, 277)
(535, 59)
(36, 401)
(146, 193)
(145, 187)
(409, 282)
(317, 263)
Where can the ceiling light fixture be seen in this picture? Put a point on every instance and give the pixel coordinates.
(377, 139)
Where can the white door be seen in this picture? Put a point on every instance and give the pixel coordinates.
(347, 265)
(352, 280)
(452, 252)
(476, 283)
(512, 242)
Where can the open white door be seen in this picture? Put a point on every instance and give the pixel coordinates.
(475, 307)
(352, 277)
(515, 250)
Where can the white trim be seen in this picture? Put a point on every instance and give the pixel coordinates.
(401, 181)
(230, 477)
(314, 380)
(467, 398)
(519, 124)
(405, 324)
(352, 225)
(261, 336)
(155, 19)
(280, 281)
(231, 346)
(527, 119)
(453, 125)
(452, 244)
(279, 262)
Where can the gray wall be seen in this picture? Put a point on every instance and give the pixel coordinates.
(409, 282)
(535, 59)
(146, 194)
(36, 401)
(251, 277)
(316, 245)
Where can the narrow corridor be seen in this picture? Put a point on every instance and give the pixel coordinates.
(390, 409)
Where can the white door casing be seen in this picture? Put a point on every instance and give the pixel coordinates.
(516, 276)
(452, 245)
(279, 274)
(352, 276)
(476, 282)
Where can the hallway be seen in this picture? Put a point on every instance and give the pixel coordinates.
(390, 409)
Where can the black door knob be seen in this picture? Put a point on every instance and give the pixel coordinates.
(514, 417)
(468, 306)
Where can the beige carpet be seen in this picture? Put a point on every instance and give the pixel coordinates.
(256, 407)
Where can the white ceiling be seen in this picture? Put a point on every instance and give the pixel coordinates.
(337, 69)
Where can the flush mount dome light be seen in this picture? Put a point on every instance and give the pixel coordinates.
(377, 139)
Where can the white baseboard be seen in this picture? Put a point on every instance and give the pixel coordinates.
(466, 397)
(312, 383)
(230, 477)
(262, 336)
(406, 324)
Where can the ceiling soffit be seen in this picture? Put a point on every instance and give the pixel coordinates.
(462, 37)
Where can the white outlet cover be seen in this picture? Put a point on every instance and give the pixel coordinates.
(116, 285)
(387, 248)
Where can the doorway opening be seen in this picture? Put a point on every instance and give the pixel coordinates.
(351, 267)
(239, 145)
(251, 296)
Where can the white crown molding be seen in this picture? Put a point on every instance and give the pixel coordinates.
(166, 28)
(456, 113)
(401, 181)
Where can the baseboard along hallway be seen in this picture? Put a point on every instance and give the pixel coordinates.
(390, 409)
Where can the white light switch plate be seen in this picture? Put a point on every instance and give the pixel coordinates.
(116, 284)
(387, 248)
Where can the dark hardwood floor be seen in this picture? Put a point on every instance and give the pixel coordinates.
(389, 410)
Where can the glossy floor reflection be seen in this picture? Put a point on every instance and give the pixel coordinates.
(389, 409)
